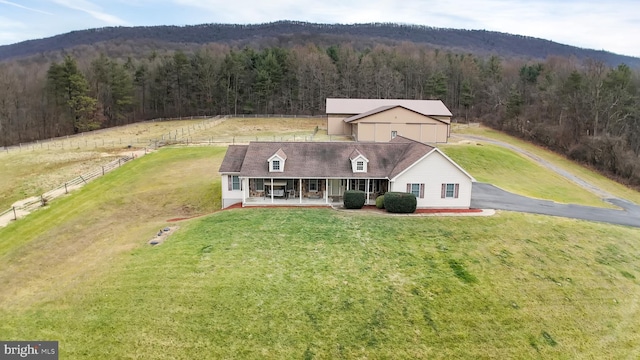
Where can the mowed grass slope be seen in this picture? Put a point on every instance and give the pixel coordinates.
(315, 283)
(581, 171)
(513, 172)
(75, 238)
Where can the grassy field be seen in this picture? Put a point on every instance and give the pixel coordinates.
(78, 235)
(265, 129)
(308, 283)
(601, 181)
(40, 167)
(320, 284)
(513, 172)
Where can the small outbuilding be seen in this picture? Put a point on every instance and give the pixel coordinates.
(380, 120)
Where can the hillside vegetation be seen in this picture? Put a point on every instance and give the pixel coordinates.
(286, 33)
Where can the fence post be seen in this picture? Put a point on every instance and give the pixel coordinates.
(15, 217)
(85, 181)
(103, 171)
(119, 162)
(65, 188)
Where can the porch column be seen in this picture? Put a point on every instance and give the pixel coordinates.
(326, 191)
(272, 190)
(300, 188)
(244, 190)
(367, 185)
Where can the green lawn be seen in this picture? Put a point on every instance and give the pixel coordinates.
(513, 172)
(595, 178)
(309, 283)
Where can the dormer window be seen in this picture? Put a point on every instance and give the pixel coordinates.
(276, 161)
(358, 162)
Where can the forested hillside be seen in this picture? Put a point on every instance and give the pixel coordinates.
(585, 109)
(289, 33)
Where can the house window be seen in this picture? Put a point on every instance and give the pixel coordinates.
(450, 191)
(235, 182)
(360, 165)
(394, 134)
(259, 184)
(313, 185)
(416, 189)
(275, 165)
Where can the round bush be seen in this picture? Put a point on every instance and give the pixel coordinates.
(380, 202)
(354, 199)
(400, 203)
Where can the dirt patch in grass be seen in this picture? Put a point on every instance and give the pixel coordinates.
(162, 235)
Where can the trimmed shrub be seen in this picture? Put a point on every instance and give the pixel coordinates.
(400, 202)
(380, 202)
(354, 199)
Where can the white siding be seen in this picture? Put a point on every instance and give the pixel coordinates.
(229, 197)
(433, 171)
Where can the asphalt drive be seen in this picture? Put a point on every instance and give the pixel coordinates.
(487, 196)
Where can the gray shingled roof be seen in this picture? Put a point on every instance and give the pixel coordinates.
(326, 159)
(359, 106)
(233, 159)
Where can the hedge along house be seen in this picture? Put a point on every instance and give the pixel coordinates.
(318, 173)
(380, 120)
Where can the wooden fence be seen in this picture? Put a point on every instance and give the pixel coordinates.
(36, 202)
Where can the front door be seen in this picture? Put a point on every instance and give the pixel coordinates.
(336, 187)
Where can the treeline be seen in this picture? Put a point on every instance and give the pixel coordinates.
(586, 110)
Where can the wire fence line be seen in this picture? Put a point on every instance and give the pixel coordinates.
(181, 135)
(33, 203)
(83, 140)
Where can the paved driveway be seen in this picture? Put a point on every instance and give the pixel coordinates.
(487, 196)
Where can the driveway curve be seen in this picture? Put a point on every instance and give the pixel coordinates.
(488, 196)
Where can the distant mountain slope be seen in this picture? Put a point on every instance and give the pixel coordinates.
(469, 40)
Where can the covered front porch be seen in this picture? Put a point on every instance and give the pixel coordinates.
(307, 192)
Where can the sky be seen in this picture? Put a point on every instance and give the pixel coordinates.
(611, 25)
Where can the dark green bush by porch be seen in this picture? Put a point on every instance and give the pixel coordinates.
(380, 202)
(399, 202)
(354, 199)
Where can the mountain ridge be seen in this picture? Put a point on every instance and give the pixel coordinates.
(476, 41)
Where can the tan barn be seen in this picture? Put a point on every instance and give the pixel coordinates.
(381, 120)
